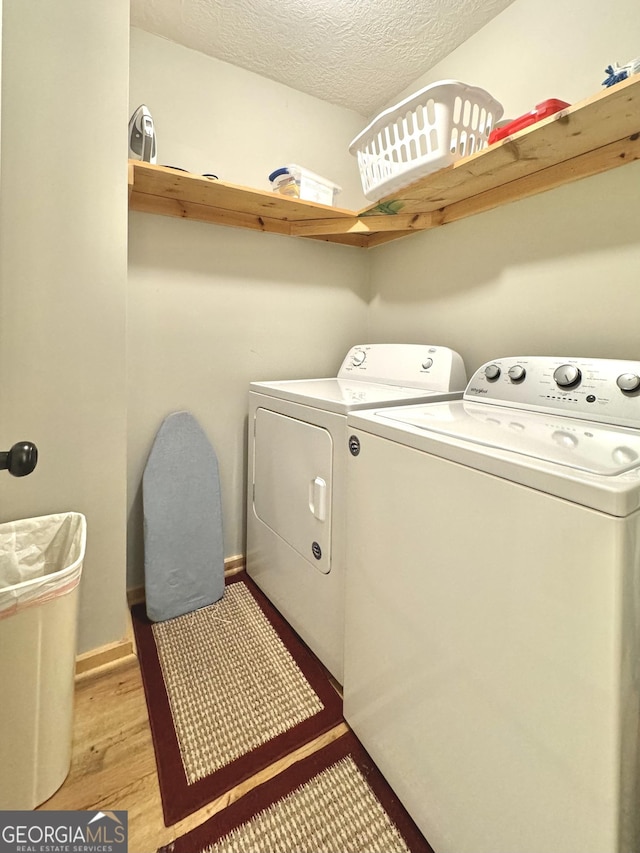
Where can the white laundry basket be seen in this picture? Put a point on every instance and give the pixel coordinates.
(40, 568)
(427, 131)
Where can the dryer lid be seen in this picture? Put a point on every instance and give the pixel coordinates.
(583, 445)
(345, 395)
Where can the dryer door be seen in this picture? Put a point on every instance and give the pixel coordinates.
(292, 482)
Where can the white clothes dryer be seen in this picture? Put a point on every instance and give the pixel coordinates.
(492, 649)
(296, 490)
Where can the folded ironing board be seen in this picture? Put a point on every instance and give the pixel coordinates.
(183, 547)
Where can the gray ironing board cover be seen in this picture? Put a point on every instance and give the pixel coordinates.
(183, 547)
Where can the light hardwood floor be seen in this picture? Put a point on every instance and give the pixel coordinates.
(113, 764)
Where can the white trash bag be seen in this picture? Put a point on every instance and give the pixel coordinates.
(40, 559)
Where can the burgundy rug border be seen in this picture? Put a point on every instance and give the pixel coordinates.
(178, 797)
(260, 798)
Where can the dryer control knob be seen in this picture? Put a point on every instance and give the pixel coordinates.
(517, 373)
(567, 375)
(492, 371)
(358, 357)
(628, 382)
(427, 363)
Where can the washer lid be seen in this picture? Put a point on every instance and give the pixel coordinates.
(584, 445)
(346, 395)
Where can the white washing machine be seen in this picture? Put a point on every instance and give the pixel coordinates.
(492, 648)
(296, 477)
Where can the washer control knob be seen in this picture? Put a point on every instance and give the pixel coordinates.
(628, 382)
(358, 357)
(567, 375)
(427, 363)
(517, 373)
(492, 371)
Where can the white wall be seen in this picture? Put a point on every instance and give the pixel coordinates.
(212, 308)
(214, 117)
(0, 84)
(554, 274)
(539, 49)
(63, 200)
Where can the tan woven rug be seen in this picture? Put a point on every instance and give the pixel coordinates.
(223, 716)
(332, 802)
(230, 688)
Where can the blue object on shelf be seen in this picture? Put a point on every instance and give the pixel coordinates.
(616, 73)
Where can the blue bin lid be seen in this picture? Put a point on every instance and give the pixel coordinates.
(278, 172)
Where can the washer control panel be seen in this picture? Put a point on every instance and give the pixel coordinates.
(407, 365)
(597, 389)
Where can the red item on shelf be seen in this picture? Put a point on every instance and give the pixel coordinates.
(546, 108)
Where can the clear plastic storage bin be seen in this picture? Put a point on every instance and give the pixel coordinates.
(427, 131)
(297, 182)
(40, 568)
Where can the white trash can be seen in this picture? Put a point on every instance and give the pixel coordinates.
(40, 568)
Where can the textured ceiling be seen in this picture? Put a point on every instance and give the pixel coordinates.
(355, 53)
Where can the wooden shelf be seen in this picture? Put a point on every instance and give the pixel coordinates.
(596, 135)
(158, 189)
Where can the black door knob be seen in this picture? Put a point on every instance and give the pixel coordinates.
(21, 459)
